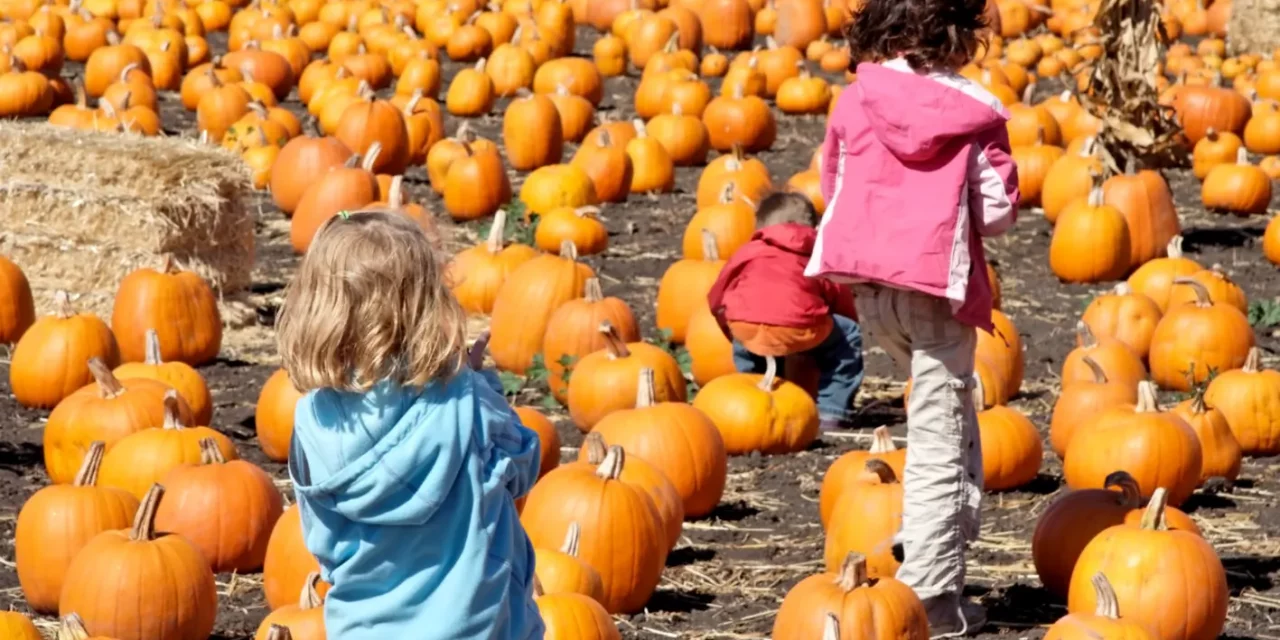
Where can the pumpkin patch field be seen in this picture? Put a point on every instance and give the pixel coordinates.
(586, 167)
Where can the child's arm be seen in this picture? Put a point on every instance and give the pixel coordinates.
(993, 183)
(839, 299)
(515, 455)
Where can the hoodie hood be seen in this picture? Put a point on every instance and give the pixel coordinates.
(386, 457)
(790, 237)
(917, 114)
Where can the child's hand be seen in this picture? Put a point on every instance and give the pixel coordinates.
(475, 357)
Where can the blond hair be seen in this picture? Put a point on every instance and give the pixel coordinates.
(368, 304)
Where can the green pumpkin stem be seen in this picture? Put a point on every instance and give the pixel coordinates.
(310, 598)
(71, 627)
(571, 539)
(1130, 493)
(1108, 604)
(144, 522)
(645, 389)
(853, 572)
(88, 474)
(1153, 517)
(613, 342)
(108, 386)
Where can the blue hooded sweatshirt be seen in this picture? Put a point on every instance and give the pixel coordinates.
(407, 500)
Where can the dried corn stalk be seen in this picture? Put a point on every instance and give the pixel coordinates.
(1122, 92)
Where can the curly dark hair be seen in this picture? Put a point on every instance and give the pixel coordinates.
(927, 33)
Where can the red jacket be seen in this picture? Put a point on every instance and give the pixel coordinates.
(764, 282)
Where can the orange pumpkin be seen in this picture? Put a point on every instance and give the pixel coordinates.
(573, 333)
(760, 412)
(684, 288)
(18, 312)
(866, 520)
(49, 362)
(1011, 447)
(1193, 341)
(1082, 400)
(1144, 199)
(1115, 358)
(562, 571)
(1125, 316)
(1217, 283)
(526, 301)
(287, 568)
(548, 437)
(1239, 188)
(1104, 622)
(476, 275)
(883, 608)
(849, 467)
(644, 476)
(15, 626)
(304, 621)
(1155, 278)
(710, 350)
(273, 415)
(1219, 450)
(573, 615)
(607, 380)
(1090, 242)
(1248, 398)
(181, 376)
(179, 305)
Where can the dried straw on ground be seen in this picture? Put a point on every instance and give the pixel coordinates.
(79, 210)
(1254, 26)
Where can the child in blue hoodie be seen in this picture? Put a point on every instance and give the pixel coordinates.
(405, 461)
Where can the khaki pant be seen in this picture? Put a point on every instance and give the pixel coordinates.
(943, 484)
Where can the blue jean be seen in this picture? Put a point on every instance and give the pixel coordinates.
(839, 362)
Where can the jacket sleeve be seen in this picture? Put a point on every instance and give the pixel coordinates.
(715, 297)
(839, 299)
(830, 170)
(512, 452)
(993, 183)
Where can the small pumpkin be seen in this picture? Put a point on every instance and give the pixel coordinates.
(303, 621)
(558, 185)
(181, 376)
(573, 616)
(878, 608)
(548, 437)
(865, 521)
(607, 380)
(849, 467)
(273, 415)
(1011, 447)
(1104, 622)
(731, 223)
(476, 275)
(351, 186)
(760, 412)
(18, 312)
(1249, 398)
(740, 120)
(684, 287)
(1071, 177)
(606, 162)
(1155, 278)
(48, 364)
(710, 350)
(1219, 285)
(1125, 316)
(179, 305)
(562, 571)
(1214, 149)
(16, 626)
(1115, 358)
(1219, 449)
(1033, 162)
(1082, 400)
(580, 227)
(573, 333)
(288, 565)
(476, 183)
(1090, 243)
(532, 132)
(1193, 341)
(647, 477)
(471, 93)
(300, 161)
(1239, 188)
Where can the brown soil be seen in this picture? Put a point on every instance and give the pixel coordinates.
(730, 571)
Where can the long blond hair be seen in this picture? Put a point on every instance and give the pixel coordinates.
(368, 304)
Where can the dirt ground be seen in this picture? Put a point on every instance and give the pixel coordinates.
(730, 571)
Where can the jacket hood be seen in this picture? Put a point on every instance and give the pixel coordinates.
(790, 237)
(386, 457)
(916, 115)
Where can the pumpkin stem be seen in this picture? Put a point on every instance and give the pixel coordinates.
(1198, 405)
(108, 386)
(710, 251)
(881, 441)
(1095, 194)
(1130, 493)
(588, 211)
(770, 374)
(613, 342)
(1108, 606)
(611, 467)
(645, 389)
(412, 103)
(210, 453)
(494, 241)
(310, 598)
(1153, 517)
(395, 192)
(1242, 156)
(1174, 250)
(831, 627)
(144, 522)
(88, 474)
(570, 546)
(153, 348)
(371, 156)
(568, 250)
(1085, 335)
(62, 305)
(1202, 294)
(1253, 361)
(279, 632)
(1147, 401)
(352, 162)
(594, 448)
(124, 73)
(171, 410)
(1099, 374)
(853, 572)
(537, 588)
(881, 470)
(72, 627)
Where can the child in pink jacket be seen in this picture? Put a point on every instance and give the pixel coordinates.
(916, 171)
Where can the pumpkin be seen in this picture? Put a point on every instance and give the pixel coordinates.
(18, 312)
(1217, 283)
(562, 571)
(179, 305)
(526, 301)
(221, 106)
(1125, 316)
(710, 351)
(684, 287)
(573, 616)
(684, 136)
(1248, 398)
(1076, 517)
(558, 185)
(1033, 162)
(740, 120)
(883, 608)
(1271, 239)
(1213, 149)
(15, 626)
(300, 161)
(1219, 450)
(304, 621)
(48, 364)
(653, 170)
(847, 469)
(57, 521)
(476, 275)
(1194, 341)
(1155, 446)
(581, 227)
(606, 380)
(578, 75)
(476, 184)
(531, 129)
(350, 186)
(288, 565)
(1155, 278)
(107, 410)
(1082, 400)
(1002, 350)
(142, 570)
(273, 415)
(1090, 243)
(576, 114)
(142, 458)
(471, 93)
(573, 333)
(1070, 178)
(368, 121)
(623, 537)
(548, 437)
(1115, 358)
(1200, 108)
(1240, 188)
(730, 222)
(606, 162)
(760, 412)
(1011, 447)
(749, 176)
(1144, 199)
(1154, 570)
(181, 376)
(646, 477)
(865, 521)
(1104, 622)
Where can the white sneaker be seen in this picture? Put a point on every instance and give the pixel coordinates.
(953, 617)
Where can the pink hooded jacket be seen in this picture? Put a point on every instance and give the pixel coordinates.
(916, 170)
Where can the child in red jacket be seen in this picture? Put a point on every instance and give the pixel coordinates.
(769, 308)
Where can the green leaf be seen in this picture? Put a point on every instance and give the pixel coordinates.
(537, 371)
(549, 402)
(1264, 314)
(511, 383)
(566, 363)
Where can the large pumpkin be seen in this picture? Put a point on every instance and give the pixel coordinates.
(288, 564)
(1155, 278)
(850, 467)
(865, 521)
(1194, 341)
(1249, 398)
(18, 311)
(573, 333)
(1104, 622)
(179, 305)
(1168, 580)
(161, 587)
(608, 380)
(526, 301)
(1147, 205)
(305, 620)
(1011, 447)
(684, 288)
(181, 376)
(760, 412)
(562, 571)
(49, 362)
(57, 521)
(645, 476)
(883, 608)
(1080, 401)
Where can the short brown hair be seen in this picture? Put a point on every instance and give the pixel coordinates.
(783, 207)
(929, 34)
(368, 304)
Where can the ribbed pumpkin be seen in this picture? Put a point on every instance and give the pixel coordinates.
(179, 305)
(760, 412)
(645, 476)
(573, 616)
(1104, 622)
(288, 564)
(684, 288)
(1002, 349)
(524, 304)
(849, 467)
(731, 222)
(1090, 242)
(1249, 398)
(709, 349)
(675, 438)
(1155, 278)
(532, 132)
(1034, 162)
(142, 458)
(273, 415)
(120, 579)
(1219, 285)
(227, 508)
(305, 620)
(1082, 400)
(57, 521)
(18, 311)
(1193, 340)
(476, 275)
(1125, 316)
(1168, 580)
(1011, 447)
(607, 380)
(606, 162)
(1219, 450)
(49, 362)
(348, 187)
(299, 163)
(15, 626)
(883, 608)
(573, 333)
(181, 376)
(1112, 356)
(749, 176)
(562, 571)
(1071, 177)
(1144, 199)
(1155, 446)
(622, 533)
(865, 521)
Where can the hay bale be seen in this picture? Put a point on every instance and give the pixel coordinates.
(1254, 26)
(79, 210)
